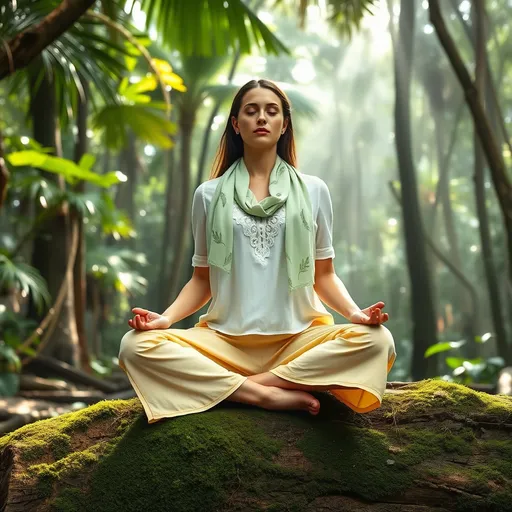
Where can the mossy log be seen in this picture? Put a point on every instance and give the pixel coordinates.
(432, 446)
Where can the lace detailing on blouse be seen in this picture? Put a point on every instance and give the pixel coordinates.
(262, 231)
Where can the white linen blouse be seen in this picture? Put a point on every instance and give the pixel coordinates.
(254, 298)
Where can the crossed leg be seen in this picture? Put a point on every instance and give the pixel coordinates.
(272, 392)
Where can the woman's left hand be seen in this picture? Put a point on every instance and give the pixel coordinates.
(372, 315)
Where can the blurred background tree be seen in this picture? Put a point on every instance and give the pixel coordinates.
(111, 119)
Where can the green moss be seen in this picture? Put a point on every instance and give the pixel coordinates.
(200, 461)
(358, 459)
(418, 445)
(430, 395)
(199, 457)
(69, 466)
(501, 459)
(70, 500)
(33, 451)
(34, 439)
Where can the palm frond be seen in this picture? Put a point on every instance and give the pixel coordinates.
(346, 15)
(207, 28)
(113, 221)
(114, 267)
(86, 50)
(147, 125)
(24, 278)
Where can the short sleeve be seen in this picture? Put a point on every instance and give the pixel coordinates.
(200, 257)
(324, 220)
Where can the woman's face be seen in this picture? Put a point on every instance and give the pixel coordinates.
(260, 120)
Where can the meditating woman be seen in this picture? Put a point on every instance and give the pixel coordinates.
(264, 256)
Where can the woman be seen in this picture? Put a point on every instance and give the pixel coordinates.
(263, 254)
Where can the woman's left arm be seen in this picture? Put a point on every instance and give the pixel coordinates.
(334, 293)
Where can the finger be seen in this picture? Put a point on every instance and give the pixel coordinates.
(130, 323)
(385, 317)
(138, 322)
(140, 311)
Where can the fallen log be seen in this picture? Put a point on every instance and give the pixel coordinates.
(16, 412)
(431, 446)
(66, 396)
(46, 366)
(32, 382)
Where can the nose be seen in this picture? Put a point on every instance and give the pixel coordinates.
(261, 118)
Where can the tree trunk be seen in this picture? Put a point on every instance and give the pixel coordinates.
(186, 124)
(479, 180)
(51, 244)
(431, 447)
(469, 322)
(4, 173)
(125, 197)
(422, 308)
(490, 146)
(165, 260)
(25, 46)
(79, 277)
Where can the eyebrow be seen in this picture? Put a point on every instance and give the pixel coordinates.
(256, 105)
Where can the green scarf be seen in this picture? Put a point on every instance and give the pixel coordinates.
(286, 186)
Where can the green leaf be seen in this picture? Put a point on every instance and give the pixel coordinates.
(443, 346)
(304, 222)
(66, 168)
(147, 125)
(216, 31)
(26, 279)
(454, 362)
(217, 237)
(304, 265)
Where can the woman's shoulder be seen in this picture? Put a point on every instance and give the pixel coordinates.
(315, 184)
(207, 188)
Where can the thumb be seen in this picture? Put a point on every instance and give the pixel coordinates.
(360, 317)
(156, 323)
(140, 311)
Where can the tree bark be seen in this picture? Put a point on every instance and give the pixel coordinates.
(186, 122)
(483, 127)
(480, 40)
(165, 260)
(427, 448)
(51, 248)
(79, 277)
(422, 308)
(125, 197)
(4, 173)
(25, 46)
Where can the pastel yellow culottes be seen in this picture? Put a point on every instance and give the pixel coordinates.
(183, 371)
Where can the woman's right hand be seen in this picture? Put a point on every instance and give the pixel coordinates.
(145, 320)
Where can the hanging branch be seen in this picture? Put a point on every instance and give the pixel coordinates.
(25, 46)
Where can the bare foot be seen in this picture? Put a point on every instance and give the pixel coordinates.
(280, 399)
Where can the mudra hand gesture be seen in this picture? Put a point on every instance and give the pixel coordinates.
(372, 315)
(145, 320)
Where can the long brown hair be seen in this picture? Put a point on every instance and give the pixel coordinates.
(231, 146)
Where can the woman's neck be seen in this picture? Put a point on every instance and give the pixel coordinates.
(260, 163)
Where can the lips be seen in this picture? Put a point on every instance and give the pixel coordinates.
(261, 130)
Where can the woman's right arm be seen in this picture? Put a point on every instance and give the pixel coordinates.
(193, 296)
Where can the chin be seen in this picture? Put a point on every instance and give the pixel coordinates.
(260, 143)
